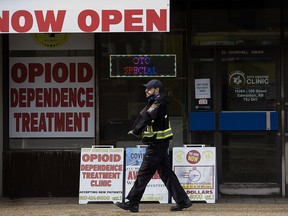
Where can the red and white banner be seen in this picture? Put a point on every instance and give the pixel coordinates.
(38, 16)
(101, 175)
(51, 97)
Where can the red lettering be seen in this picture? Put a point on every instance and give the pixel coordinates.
(25, 122)
(39, 97)
(48, 72)
(89, 97)
(49, 116)
(4, 21)
(160, 22)
(156, 176)
(72, 72)
(102, 158)
(110, 17)
(83, 167)
(94, 18)
(45, 23)
(56, 97)
(84, 68)
(69, 122)
(34, 122)
(81, 102)
(93, 157)
(72, 97)
(35, 70)
(101, 183)
(28, 21)
(130, 20)
(132, 175)
(126, 70)
(30, 96)
(59, 122)
(42, 123)
(85, 157)
(21, 76)
(64, 97)
(78, 122)
(60, 72)
(51, 97)
(88, 20)
(86, 116)
(64, 69)
(22, 97)
(14, 97)
(17, 116)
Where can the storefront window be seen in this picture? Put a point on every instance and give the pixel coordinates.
(122, 98)
(235, 23)
(51, 91)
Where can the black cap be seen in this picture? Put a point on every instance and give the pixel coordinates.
(154, 83)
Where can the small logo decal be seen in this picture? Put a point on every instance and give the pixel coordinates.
(51, 40)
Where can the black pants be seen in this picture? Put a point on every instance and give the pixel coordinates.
(156, 158)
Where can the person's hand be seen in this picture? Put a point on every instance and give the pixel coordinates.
(132, 133)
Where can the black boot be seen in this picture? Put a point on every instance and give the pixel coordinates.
(181, 205)
(128, 206)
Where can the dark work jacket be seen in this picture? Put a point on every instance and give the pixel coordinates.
(153, 122)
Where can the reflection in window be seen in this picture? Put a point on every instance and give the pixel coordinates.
(235, 23)
(250, 157)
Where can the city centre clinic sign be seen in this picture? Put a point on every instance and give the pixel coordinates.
(50, 16)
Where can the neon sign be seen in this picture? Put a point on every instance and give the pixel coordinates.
(143, 65)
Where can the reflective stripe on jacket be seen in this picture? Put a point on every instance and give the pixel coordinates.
(150, 135)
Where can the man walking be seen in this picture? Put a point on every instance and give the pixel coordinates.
(153, 127)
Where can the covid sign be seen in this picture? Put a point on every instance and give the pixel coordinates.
(155, 190)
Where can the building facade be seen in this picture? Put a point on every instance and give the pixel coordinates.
(224, 67)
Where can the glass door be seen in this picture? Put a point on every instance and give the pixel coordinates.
(249, 120)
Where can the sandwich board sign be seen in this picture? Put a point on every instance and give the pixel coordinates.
(101, 175)
(195, 168)
(155, 190)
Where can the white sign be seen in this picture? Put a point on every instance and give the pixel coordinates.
(51, 97)
(155, 190)
(196, 170)
(36, 16)
(101, 175)
(202, 88)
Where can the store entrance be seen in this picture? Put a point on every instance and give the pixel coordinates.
(245, 99)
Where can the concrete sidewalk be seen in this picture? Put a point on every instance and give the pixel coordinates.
(70, 207)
